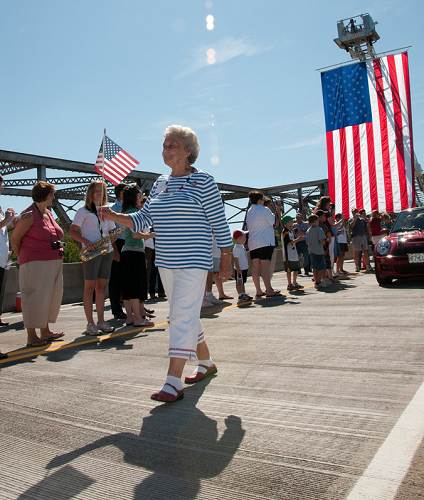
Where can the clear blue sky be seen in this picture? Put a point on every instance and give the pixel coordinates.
(71, 68)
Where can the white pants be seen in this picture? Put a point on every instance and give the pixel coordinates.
(185, 289)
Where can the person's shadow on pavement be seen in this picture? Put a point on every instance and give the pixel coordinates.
(178, 443)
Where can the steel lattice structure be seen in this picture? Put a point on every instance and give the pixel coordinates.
(76, 176)
(71, 187)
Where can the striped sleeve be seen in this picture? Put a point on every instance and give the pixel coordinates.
(215, 213)
(142, 219)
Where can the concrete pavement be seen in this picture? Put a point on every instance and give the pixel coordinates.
(309, 388)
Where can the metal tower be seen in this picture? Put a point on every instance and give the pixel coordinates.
(357, 35)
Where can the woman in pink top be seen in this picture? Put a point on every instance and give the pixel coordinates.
(36, 241)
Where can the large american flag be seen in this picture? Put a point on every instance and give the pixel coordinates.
(368, 120)
(114, 163)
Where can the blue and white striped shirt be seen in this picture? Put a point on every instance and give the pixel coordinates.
(183, 212)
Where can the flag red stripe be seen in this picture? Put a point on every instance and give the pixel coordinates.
(114, 165)
(120, 168)
(398, 132)
(122, 164)
(345, 173)
(130, 158)
(358, 166)
(330, 157)
(109, 175)
(99, 170)
(115, 168)
(371, 167)
(111, 179)
(384, 135)
(408, 101)
(124, 160)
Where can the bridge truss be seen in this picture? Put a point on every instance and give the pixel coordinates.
(71, 179)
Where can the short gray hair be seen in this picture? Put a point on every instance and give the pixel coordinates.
(188, 137)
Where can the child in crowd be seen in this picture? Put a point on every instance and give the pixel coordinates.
(290, 255)
(217, 275)
(241, 265)
(342, 242)
(326, 227)
(209, 298)
(315, 238)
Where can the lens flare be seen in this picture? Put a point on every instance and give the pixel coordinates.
(210, 22)
(211, 56)
(215, 160)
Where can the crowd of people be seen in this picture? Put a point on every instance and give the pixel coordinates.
(174, 243)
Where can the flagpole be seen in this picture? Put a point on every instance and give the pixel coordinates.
(103, 163)
(350, 61)
(104, 143)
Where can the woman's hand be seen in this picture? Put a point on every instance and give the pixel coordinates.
(141, 236)
(106, 213)
(23, 225)
(226, 269)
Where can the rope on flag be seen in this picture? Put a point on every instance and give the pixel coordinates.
(368, 120)
(114, 163)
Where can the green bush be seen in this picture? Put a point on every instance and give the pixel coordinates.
(72, 249)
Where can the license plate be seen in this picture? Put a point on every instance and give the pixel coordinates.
(415, 258)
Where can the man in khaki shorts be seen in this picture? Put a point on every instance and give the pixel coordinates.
(359, 228)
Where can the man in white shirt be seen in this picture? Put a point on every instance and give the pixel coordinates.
(260, 223)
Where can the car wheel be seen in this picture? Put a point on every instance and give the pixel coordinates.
(384, 281)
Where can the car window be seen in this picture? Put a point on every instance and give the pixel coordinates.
(409, 221)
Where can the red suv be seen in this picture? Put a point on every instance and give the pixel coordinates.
(400, 254)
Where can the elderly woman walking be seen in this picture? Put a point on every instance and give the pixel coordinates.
(183, 208)
(36, 241)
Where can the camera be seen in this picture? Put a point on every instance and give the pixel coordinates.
(56, 245)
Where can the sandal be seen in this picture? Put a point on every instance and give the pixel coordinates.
(42, 343)
(145, 323)
(198, 376)
(166, 397)
(3, 355)
(275, 293)
(54, 336)
(226, 297)
(149, 311)
(259, 295)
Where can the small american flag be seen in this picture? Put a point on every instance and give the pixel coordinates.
(369, 135)
(114, 163)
